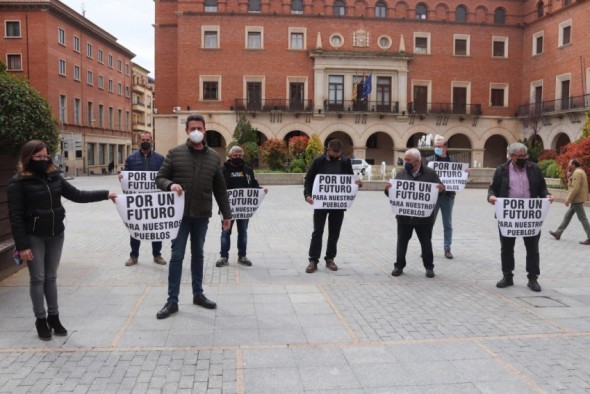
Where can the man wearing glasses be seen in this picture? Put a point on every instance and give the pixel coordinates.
(519, 178)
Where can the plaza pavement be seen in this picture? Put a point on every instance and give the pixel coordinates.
(280, 330)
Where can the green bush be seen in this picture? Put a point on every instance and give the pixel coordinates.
(544, 164)
(553, 170)
(297, 165)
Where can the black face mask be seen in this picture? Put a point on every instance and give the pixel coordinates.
(237, 161)
(333, 157)
(520, 162)
(145, 146)
(38, 166)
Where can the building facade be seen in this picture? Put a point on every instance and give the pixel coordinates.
(377, 74)
(83, 73)
(143, 103)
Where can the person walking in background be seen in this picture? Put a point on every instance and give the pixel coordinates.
(237, 175)
(192, 169)
(144, 159)
(333, 162)
(406, 225)
(36, 217)
(518, 178)
(577, 195)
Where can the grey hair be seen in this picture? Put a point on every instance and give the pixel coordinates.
(441, 138)
(516, 147)
(234, 149)
(415, 153)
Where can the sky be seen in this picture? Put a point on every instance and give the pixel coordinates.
(130, 21)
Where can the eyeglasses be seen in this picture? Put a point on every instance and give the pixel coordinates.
(41, 157)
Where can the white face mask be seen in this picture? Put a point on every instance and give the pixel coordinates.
(196, 136)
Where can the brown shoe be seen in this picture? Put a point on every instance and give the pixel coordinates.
(312, 267)
(555, 235)
(331, 265)
(160, 260)
(131, 261)
(586, 242)
(448, 254)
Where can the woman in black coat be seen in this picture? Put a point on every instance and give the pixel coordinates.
(37, 221)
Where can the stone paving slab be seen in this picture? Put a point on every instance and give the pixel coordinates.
(278, 329)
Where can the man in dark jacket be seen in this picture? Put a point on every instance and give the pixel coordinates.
(333, 162)
(237, 175)
(414, 170)
(518, 178)
(192, 169)
(145, 159)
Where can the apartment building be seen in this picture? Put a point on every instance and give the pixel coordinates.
(81, 70)
(377, 74)
(143, 102)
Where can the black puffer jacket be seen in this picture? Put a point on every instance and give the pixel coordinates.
(34, 205)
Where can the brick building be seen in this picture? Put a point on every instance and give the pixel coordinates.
(377, 74)
(81, 70)
(143, 103)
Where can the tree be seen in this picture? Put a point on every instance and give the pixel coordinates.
(313, 149)
(579, 150)
(586, 128)
(245, 136)
(24, 115)
(297, 146)
(275, 153)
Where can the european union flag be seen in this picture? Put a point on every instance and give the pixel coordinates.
(367, 87)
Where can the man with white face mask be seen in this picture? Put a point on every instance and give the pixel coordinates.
(192, 169)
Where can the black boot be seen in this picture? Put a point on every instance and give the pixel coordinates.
(42, 329)
(54, 323)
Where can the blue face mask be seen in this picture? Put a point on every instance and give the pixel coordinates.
(438, 151)
(409, 167)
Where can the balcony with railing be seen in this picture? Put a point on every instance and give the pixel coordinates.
(270, 105)
(560, 106)
(361, 106)
(444, 108)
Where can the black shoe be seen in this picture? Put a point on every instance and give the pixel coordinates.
(54, 323)
(397, 272)
(204, 302)
(42, 329)
(430, 273)
(168, 309)
(505, 282)
(534, 285)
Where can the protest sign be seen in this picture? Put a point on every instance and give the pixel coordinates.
(138, 182)
(151, 216)
(244, 202)
(332, 191)
(452, 175)
(412, 198)
(521, 217)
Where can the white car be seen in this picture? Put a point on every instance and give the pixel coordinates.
(359, 166)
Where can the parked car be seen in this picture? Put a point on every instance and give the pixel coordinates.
(359, 166)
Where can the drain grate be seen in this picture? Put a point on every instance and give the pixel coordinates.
(543, 302)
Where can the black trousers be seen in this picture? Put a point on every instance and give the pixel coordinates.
(335, 219)
(404, 234)
(532, 255)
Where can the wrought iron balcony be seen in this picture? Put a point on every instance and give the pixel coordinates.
(270, 105)
(444, 108)
(361, 106)
(576, 103)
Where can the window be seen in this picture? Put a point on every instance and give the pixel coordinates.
(540, 9)
(562, 91)
(336, 40)
(76, 72)
(62, 108)
(148, 120)
(297, 38)
(119, 89)
(12, 29)
(61, 36)
(90, 113)
(253, 5)
(339, 8)
(210, 5)
(76, 111)
(421, 11)
(110, 61)
(127, 91)
(498, 95)
(149, 101)
(422, 43)
(100, 115)
(565, 33)
(567, 2)
(461, 14)
(254, 95)
(499, 16)
(383, 94)
(297, 7)
(111, 85)
(76, 44)
(120, 119)
(119, 65)
(100, 82)
(336, 92)
(89, 78)
(89, 52)
(384, 42)
(297, 94)
(127, 69)
(538, 43)
(90, 153)
(380, 10)
(461, 45)
(14, 62)
(101, 154)
(62, 67)
(254, 38)
(111, 117)
(100, 56)
(499, 46)
(128, 120)
(210, 38)
(210, 90)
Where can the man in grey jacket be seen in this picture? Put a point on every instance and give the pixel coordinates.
(194, 169)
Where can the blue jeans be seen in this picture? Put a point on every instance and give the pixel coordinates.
(43, 273)
(242, 225)
(197, 228)
(445, 204)
(156, 247)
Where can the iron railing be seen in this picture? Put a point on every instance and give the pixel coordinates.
(361, 106)
(555, 106)
(272, 104)
(444, 108)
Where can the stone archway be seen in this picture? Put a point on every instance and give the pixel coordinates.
(216, 141)
(560, 140)
(294, 133)
(346, 142)
(379, 148)
(495, 151)
(460, 148)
